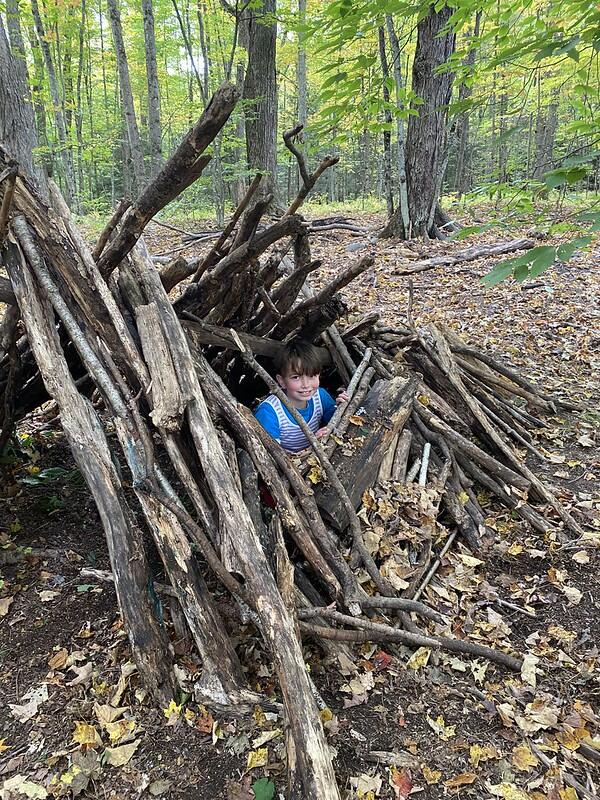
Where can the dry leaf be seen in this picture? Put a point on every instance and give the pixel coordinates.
(523, 759)
(463, 779)
(528, 671)
(105, 713)
(432, 776)
(83, 674)
(21, 785)
(507, 791)
(118, 756)
(59, 659)
(265, 737)
(5, 604)
(119, 729)
(580, 557)
(86, 735)
(419, 658)
(257, 758)
(444, 731)
(478, 753)
(401, 782)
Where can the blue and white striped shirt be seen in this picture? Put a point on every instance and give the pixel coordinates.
(279, 423)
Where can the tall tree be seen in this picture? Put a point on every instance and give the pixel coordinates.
(426, 134)
(17, 121)
(463, 177)
(154, 131)
(133, 134)
(259, 36)
(66, 152)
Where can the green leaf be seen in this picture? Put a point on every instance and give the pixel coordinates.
(263, 789)
(543, 257)
(565, 251)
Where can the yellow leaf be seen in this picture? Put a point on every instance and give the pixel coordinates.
(172, 712)
(257, 758)
(508, 791)
(568, 739)
(431, 775)
(326, 715)
(464, 779)
(478, 753)
(423, 399)
(568, 793)
(86, 735)
(118, 756)
(463, 498)
(355, 419)
(4, 746)
(523, 759)
(117, 730)
(515, 549)
(419, 658)
(444, 731)
(315, 474)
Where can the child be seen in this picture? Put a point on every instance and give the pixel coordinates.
(298, 367)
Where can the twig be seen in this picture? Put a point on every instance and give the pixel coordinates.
(435, 566)
(10, 175)
(375, 631)
(412, 472)
(566, 776)
(424, 464)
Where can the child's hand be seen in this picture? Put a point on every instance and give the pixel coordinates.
(341, 398)
(321, 432)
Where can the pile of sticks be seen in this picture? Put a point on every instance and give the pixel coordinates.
(171, 376)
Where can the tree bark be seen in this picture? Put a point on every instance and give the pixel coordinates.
(61, 130)
(260, 92)
(154, 130)
(17, 122)
(426, 135)
(133, 133)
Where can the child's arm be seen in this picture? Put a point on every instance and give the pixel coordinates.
(267, 417)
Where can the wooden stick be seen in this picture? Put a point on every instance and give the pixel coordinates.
(110, 227)
(379, 632)
(10, 176)
(350, 391)
(212, 255)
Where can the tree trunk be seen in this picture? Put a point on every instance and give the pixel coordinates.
(426, 135)
(154, 132)
(387, 134)
(463, 177)
(260, 92)
(66, 152)
(17, 123)
(133, 133)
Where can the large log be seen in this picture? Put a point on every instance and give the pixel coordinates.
(385, 410)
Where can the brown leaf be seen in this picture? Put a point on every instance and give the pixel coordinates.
(463, 779)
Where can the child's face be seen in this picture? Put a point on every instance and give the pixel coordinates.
(299, 388)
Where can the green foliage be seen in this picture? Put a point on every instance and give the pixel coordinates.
(263, 789)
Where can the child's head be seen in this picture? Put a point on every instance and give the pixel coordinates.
(298, 366)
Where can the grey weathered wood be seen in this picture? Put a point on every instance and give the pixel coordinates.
(90, 449)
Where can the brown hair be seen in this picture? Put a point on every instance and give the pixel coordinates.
(298, 356)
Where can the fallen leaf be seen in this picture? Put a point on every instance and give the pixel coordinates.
(21, 785)
(59, 659)
(5, 604)
(419, 658)
(47, 595)
(478, 753)
(401, 782)
(528, 669)
(83, 674)
(432, 776)
(257, 758)
(572, 594)
(86, 735)
(263, 789)
(444, 731)
(106, 713)
(28, 710)
(507, 791)
(523, 759)
(119, 729)
(265, 737)
(581, 557)
(161, 786)
(463, 779)
(118, 756)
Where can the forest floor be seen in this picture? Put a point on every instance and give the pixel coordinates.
(75, 721)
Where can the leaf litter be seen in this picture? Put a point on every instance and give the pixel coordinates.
(400, 722)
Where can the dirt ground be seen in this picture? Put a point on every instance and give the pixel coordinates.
(76, 722)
